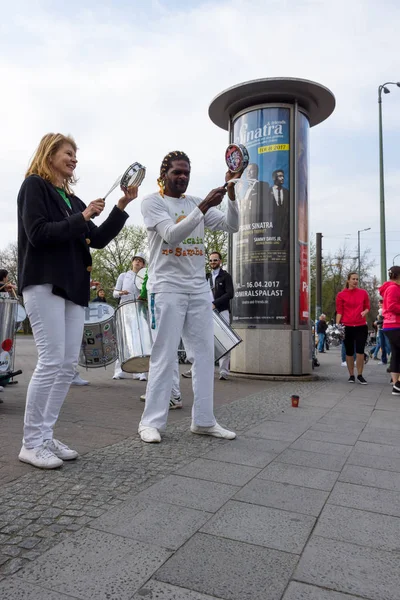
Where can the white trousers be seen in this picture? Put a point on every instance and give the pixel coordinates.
(224, 361)
(57, 327)
(188, 316)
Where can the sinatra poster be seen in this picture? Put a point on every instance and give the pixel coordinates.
(260, 249)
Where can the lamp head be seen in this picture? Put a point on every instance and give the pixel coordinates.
(386, 90)
(398, 83)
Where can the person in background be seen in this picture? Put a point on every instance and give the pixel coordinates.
(322, 326)
(55, 232)
(390, 292)
(352, 306)
(7, 289)
(101, 296)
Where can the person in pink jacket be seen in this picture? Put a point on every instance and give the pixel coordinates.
(390, 292)
(352, 306)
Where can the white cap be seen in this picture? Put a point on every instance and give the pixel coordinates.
(139, 255)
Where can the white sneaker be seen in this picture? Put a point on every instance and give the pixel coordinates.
(1, 388)
(187, 374)
(223, 376)
(61, 450)
(122, 375)
(40, 457)
(149, 434)
(175, 403)
(140, 376)
(143, 398)
(77, 380)
(216, 431)
(344, 364)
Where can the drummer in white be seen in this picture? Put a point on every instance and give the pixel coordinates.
(179, 296)
(127, 290)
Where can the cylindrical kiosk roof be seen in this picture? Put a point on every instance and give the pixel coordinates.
(317, 100)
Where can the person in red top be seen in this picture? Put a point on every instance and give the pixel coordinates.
(352, 306)
(390, 292)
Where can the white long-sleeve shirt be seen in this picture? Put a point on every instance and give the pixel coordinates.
(176, 239)
(126, 281)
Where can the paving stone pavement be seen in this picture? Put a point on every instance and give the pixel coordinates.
(303, 505)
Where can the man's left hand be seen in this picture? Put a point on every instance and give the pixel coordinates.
(131, 193)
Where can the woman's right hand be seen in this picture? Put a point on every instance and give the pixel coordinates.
(94, 209)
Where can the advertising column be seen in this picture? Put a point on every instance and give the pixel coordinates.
(260, 250)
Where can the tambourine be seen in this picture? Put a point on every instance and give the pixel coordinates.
(133, 175)
(236, 158)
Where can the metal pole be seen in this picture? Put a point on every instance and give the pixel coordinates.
(382, 192)
(318, 276)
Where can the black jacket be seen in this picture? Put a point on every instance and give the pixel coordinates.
(53, 241)
(223, 292)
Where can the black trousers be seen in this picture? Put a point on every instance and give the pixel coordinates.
(393, 335)
(355, 336)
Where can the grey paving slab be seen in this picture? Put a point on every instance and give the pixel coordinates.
(357, 402)
(222, 472)
(388, 480)
(284, 496)
(300, 416)
(347, 438)
(321, 401)
(358, 416)
(302, 591)
(156, 590)
(96, 565)
(350, 568)
(16, 589)
(229, 569)
(330, 462)
(375, 449)
(318, 479)
(193, 493)
(359, 527)
(261, 525)
(366, 498)
(380, 436)
(391, 403)
(374, 462)
(166, 525)
(340, 424)
(248, 451)
(385, 419)
(310, 445)
(273, 430)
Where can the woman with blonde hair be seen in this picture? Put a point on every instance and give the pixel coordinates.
(352, 306)
(55, 232)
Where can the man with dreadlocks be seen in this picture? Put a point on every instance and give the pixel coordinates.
(179, 295)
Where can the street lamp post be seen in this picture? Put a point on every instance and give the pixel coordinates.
(359, 252)
(394, 257)
(382, 179)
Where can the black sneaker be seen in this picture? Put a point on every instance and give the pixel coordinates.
(362, 380)
(397, 386)
(395, 391)
(351, 379)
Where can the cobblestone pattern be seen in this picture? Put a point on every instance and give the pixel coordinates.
(41, 508)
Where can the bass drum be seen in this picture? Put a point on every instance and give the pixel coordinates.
(225, 339)
(99, 344)
(134, 336)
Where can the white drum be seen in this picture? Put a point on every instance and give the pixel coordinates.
(99, 344)
(21, 316)
(225, 339)
(134, 336)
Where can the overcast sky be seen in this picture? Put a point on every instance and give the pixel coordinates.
(133, 80)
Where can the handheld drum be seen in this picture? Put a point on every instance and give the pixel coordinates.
(236, 158)
(133, 175)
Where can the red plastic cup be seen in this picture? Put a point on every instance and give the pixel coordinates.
(295, 401)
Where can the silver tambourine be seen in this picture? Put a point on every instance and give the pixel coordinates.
(236, 157)
(133, 175)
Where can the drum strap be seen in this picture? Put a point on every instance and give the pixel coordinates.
(211, 285)
(152, 311)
